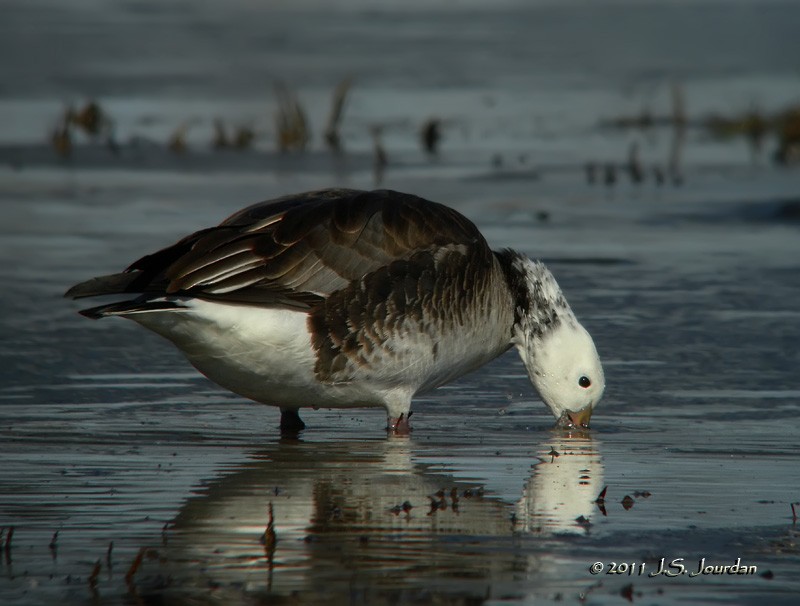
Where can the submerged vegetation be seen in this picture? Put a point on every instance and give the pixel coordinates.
(292, 131)
(776, 133)
(754, 125)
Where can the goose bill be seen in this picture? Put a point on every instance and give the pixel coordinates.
(575, 420)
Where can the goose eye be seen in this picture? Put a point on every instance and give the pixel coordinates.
(584, 382)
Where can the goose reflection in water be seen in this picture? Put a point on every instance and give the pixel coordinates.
(368, 517)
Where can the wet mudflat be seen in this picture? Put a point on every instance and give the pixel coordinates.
(109, 437)
(185, 494)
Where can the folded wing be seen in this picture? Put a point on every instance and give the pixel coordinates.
(293, 251)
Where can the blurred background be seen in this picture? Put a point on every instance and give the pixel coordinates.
(648, 151)
(460, 86)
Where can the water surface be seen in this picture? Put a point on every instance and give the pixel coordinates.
(108, 435)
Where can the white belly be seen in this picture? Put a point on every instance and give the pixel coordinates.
(263, 354)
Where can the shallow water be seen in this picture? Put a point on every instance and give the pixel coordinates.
(107, 435)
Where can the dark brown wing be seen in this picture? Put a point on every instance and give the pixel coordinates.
(296, 250)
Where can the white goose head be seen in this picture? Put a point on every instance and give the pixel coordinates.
(558, 353)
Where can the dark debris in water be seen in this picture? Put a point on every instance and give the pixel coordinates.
(600, 501)
(53, 546)
(405, 507)
(134, 568)
(94, 576)
(9, 537)
(583, 522)
(627, 592)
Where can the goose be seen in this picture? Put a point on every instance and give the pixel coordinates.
(342, 298)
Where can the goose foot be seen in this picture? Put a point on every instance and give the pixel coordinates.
(400, 426)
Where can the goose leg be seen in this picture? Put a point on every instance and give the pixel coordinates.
(291, 421)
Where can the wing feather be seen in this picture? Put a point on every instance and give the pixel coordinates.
(297, 250)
